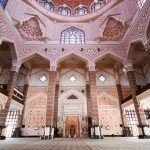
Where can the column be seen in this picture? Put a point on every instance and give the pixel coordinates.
(10, 90)
(25, 94)
(80, 128)
(93, 93)
(64, 131)
(89, 111)
(56, 104)
(50, 98)
(133, 86)
(120, 97)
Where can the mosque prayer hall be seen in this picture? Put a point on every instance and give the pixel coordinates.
(74, 74)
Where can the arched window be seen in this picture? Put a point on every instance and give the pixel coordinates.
(72, 36)
(64, 10)
(48, 5)
(140, 3)
(97, 5)
(3, 3)
(81, 10)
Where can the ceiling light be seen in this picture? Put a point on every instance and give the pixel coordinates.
(64, 5)
(80, 6)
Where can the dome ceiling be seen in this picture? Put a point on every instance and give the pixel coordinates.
(73, 3)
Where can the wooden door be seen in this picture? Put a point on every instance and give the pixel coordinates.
(72, 130)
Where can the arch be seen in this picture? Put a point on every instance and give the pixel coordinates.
(49, 5)
(81, 10)
(112, 98)
(32, 27)
(30, 99)
(71, 92)
(96, 5)
(12, 47)
(132, 49)
(112, 56)
(72, 35)
(65, 96)
(26, 58)
(67, 10)
(3, 3)
(72, 53)
(109, 96)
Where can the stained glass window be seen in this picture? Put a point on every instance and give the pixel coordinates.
(3, 3)
(97, 5)
(64, 10)
(81, 10)
(48, 5)
(72, 36)
(140, 3)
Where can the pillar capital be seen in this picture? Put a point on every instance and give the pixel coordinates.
(117, 81)
(147, 47)
(57, 82)
(26, 81)
(128, 68)
(15, 68)
(87, 82)
(91, 68)
(53, 68)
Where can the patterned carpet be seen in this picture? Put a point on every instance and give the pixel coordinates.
(75, 144)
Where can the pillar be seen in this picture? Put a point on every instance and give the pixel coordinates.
(133, 86)
(56, 104)
(120, 97)
(80, 129)
(50, 98)
(25, 94)
(64, 131)
(10, 90)
(93, 93)
(89, 111)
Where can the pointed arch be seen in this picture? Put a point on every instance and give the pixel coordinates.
(110, 55)
(26, 58)
(72, 35)
(72, 53)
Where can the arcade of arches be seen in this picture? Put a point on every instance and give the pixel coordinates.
(74, 64)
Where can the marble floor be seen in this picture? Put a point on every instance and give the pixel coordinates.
(121, 143)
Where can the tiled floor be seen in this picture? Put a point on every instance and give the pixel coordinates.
(75, 144)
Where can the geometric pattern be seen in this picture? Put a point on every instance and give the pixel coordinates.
(109, 118)
(75, 144)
